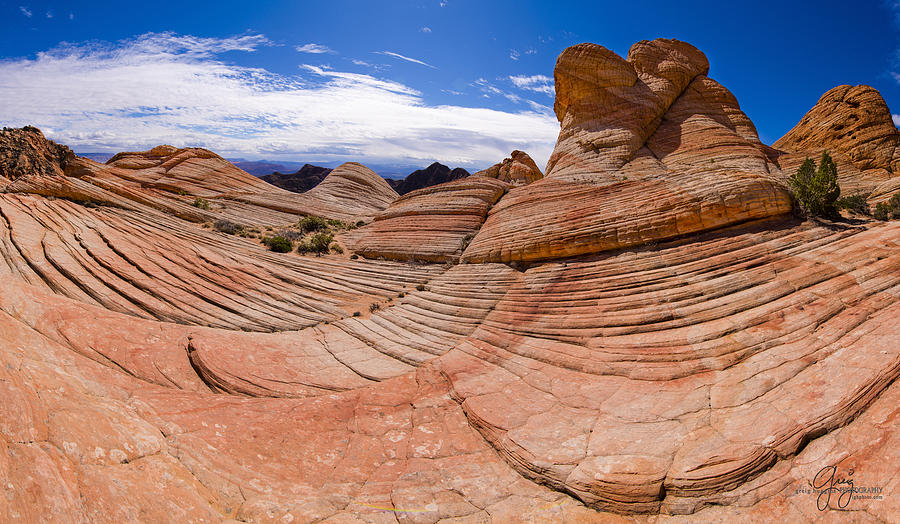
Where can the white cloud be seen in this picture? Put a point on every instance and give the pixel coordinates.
(896, 120)
(166, 88)
(443, 3)
(315, 49)
(360, 62)
(401, 57)
(71, 16)
(537, 83)
(513, 54)
(25, 11)
(425, 29)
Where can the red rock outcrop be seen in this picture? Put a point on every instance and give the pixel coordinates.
(350, 192)
(519, 169)
(432, 224)
(853, 122)
(650, 149)
(705, 374)
(192, 170)
(25, 152)
(170, 180)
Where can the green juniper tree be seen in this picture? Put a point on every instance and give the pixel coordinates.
(801, 182)
(817, 190)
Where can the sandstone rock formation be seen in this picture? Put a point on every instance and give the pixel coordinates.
(519, 169)
(433, 224)
(304, 179)
(855, 125)
(650, 148)
(432, 175)
(350, 192)
(676, 348)
(170, 180)
(854, 122)
(26, 152)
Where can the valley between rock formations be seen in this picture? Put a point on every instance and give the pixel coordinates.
(644, 332)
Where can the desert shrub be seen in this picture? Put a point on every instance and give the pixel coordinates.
(278, 244)
(467, 240)
(360, 223)
(815, 189)
(335, 223)
(888, 210)
(856, 203)
(201, 203)
(354, 256)
(182, 192)
(289, 234)
(420, 287)
(318, 243)
(309, 224)
(894, 206)
(228, 227)
(374, 307)
(356, 313)
(337, 249)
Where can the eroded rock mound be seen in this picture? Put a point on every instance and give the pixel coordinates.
(519, 169)
(351, 192)
(650, 148)
(703, 378)
(855, 122)
(433, 224)
(192, 170)
(25, 152)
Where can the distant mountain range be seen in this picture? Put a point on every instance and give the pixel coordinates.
(432, 175)
(308, 176)
(300, 177)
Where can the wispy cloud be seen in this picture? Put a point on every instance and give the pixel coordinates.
(896, 120)
(25, 11)
(360, 62)
(536, 83)
(71, 16)
(167, 88)
(513, 54)
(425, 29)
(401, 57)
(315, 49)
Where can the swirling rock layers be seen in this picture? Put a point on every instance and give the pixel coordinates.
(674, 347)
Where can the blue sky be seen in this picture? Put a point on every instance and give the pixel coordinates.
(401, 82)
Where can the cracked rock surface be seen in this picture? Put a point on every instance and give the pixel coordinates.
(644, 335)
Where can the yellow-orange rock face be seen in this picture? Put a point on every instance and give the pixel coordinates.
(155, 370)
(433, 224)
(853, 122)
(350, 192)
(650, 149)
(519, 169)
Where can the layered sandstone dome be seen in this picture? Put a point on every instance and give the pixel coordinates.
(519, 169)
(855, 125)
(650, 148)
(669, 340)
